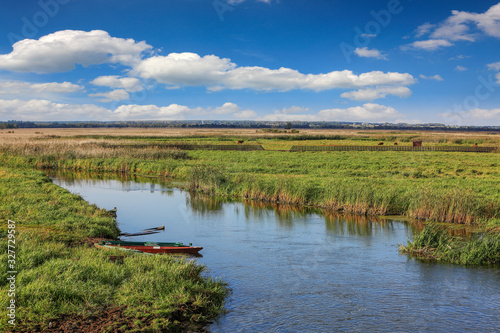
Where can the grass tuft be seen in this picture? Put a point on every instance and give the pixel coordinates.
(435, 242)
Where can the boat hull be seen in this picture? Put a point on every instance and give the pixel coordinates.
(154, 249)
(162, 249)
(127, 243)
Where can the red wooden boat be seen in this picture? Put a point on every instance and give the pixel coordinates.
(152, 247)
(163, 249)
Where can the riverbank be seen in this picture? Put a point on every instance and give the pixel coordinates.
(62, 280)
(436, 243)
(459, 188)
(445, 187)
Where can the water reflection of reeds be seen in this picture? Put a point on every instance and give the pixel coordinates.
(203, 204)
(454, 230)
(75, 175)
(122, 181)
(285, 215)
(358, 225)
(336, 223)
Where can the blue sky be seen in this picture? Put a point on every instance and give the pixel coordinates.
(414, 61)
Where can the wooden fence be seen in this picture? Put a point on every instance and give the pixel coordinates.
(215, 147)
(184, 146)
(396, 148)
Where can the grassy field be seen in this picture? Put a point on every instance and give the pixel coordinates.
(280, 141)
(460, 188)
(63, 280)
(445, 187)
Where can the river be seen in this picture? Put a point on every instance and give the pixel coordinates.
(296, 270)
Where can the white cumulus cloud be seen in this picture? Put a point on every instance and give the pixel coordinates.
(286, 113)
(424, 29)
(60, 51)
(63, 50)
(369, 112)
(494, 66)
(46, 110)
(370, 94)
(245, 114)
(130, 84)
(436, 77)
(478, 117)
(111, 96)
(186, 69)
(146, 112)
(177, 112)
(26, 88)
(41, 109)
(460, 68)
(227, 108)
(369, 53)
(460, 26)
(190, 69)
(428, 45)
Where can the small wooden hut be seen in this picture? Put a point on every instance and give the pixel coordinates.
(417, 143)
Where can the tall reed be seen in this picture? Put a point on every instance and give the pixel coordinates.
(435, 242)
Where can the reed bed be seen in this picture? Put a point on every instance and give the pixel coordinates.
(435, 242)
(445, 187)
(278, 141)
(459, 188)
(89, 149)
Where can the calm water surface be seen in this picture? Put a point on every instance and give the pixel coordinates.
(301, 271)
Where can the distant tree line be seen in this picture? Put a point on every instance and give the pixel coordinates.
(13, 124)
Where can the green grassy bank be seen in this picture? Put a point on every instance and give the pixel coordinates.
(61, 275)
(446, 187)
(459, 188)
(436, 243)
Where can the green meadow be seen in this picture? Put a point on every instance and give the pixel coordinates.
(60, 271)
(446, 187)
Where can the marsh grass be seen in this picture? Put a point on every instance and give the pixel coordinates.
(31, 198)
(459, 188)
(60, 274)
(268, 140)
(369, 197)
(90, 149)
(208, 179)
(445, 187)
(435, 242)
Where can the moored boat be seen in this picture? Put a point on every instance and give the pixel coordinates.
(109, 247)
(129, 243)
(150, 247)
